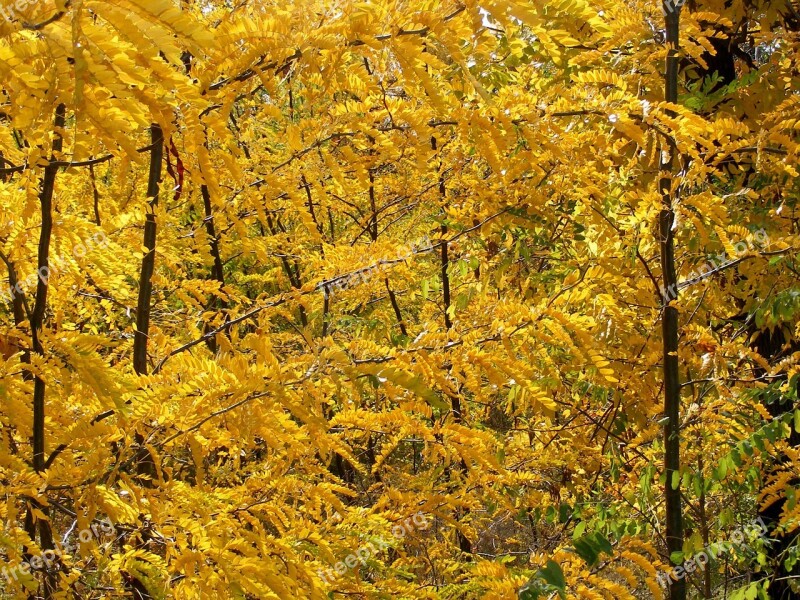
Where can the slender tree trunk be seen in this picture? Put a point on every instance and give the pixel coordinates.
(18, 306)
(293, 273)
(373, 221)
(445, 263)
(373, 234)
(19, 309)
(669, 318)
(396, 307)
(149, 260)
(50, 580)
(311, 210)
(704, 528)
(95, 196)
(145, 463)
(464, 544)
(217, 272)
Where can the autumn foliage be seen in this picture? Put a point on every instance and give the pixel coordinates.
(283, 279)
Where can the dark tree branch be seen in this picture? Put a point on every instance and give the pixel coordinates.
(148, 262)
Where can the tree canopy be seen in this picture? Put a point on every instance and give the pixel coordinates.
(499, 299)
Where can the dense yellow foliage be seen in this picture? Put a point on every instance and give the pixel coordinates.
(406, 263)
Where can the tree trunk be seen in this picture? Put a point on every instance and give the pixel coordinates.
(145, 463)
(464, 544)
(50, 580)
(149, 260)
(217, 272)
(669, 319)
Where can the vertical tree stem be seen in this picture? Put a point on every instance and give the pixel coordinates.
(36, 323)
(669, 319)
(464, 544)
(149, 260)
(217, 271)
(145, 463)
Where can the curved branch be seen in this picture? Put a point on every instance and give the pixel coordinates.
(45, 23)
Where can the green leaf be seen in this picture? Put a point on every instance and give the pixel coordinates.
(722, 470)
(752, 592)
(747, 447)
(579, 529)
(548, 579)
(604, 544)
(554, 576)
(564, 512)
(686, 479)
(529, 592)
(587, 551)
(550, 515)
(697, 484)
(590, 546)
